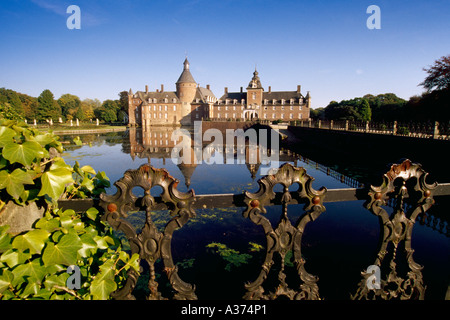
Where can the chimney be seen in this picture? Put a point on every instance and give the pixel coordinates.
(226, 89)
(157, 90)
(270, 89)
(298, 88)
(146, 88)
(242, 89)
(207, 87)
(162, 88)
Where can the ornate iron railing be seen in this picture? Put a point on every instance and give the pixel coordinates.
(433, 130)
(404, 188)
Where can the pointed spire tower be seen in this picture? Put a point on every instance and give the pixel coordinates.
(186, 89)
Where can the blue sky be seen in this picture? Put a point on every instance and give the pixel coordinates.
(324, 46)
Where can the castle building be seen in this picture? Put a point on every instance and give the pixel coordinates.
(190, 103)
(255, 103)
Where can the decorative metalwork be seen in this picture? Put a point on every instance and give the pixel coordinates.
(285, 236)
(150, 244)
(406, 183)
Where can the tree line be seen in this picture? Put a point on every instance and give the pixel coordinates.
(20, 106)
(431, 105)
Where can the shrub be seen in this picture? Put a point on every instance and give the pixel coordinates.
(33, 264)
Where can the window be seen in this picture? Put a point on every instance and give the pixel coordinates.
(160, 115)
(254, 96)
(282, 107)
(226, 108)
(273, 107)
(291, 108)
(282, 101)
(273, 115)
(154, 108)
(290, 116)
(165, 108)
(282, 116)
(174, 108)
(154, 116)
(300, 108)
(234, 107)
(160, 107)
(299, 115)
(165, 115)
(218, 108)
(226, 115)
(218, 115)
(265, 115)
(234, 115)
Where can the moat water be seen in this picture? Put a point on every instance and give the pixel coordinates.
(340, 244)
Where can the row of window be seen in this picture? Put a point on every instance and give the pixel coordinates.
(265, 116)
(266, 101)
(265, 108)
(160, 108)
(165, 100)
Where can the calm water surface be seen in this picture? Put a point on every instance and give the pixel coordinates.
(340, 244)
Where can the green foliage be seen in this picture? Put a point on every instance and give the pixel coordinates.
(12, 98)
(8, 112)
(33, 265)
(69, 104)
(48, 107)
(357, 109)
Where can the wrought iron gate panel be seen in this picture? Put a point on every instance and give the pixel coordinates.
(150, 244)
(396, 229)
(285, 236)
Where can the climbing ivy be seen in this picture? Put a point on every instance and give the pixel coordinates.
(34, 264)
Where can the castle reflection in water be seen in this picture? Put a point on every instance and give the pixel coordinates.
(155, 142)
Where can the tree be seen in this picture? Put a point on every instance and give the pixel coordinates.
(365, 113)
(48, 107)
(438, 75)
(12, 98)
(69, 104)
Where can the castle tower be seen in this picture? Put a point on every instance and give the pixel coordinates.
(254, 90)
(186, 89)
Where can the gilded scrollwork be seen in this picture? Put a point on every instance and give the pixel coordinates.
(150, 243)
(285, 236)
(405, 182)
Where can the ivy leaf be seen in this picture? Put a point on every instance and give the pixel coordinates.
(6, 135)
(104, 284)
(13, 182)
(5, 280)
(5, 239)
(92, 213)
(33, 240)
(24, 153)
(14, 257)
(55, 180)
(29, 272)
(64, 252)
